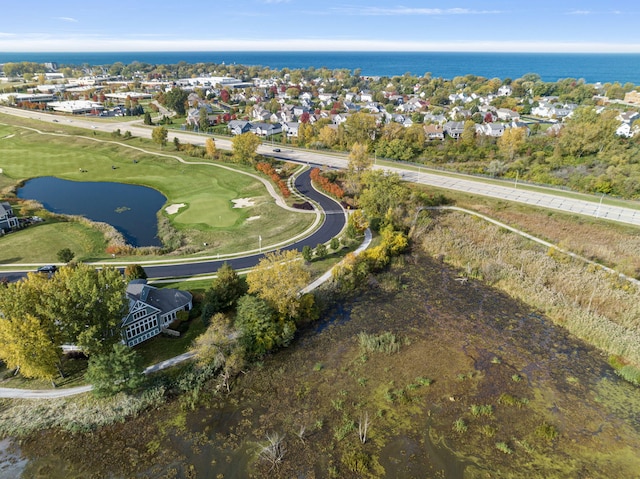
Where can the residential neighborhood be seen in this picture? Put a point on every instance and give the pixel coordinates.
(269, 106)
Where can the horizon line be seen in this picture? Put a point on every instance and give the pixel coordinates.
(586, 52)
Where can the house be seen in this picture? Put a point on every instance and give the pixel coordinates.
(291, 128)
(454, 128)
(626, 130)
(632, 97)
(151, 310)
(238, 127)
(495, 130)
(433, 132)
(505, 114)
(505, 90)
(8, 220)
(266, 129)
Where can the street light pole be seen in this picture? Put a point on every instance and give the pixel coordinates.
(599, 205)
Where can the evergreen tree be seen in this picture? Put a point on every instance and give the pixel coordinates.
(115, 371)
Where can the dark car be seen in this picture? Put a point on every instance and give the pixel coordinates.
(47, 269)
(277, 150)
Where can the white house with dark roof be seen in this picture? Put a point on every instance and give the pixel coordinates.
(151, 310)
(8, 220)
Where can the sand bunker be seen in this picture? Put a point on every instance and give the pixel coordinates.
(252, 218)
(173, 209)
(243, 202)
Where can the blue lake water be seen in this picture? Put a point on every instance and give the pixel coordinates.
(592, 67)
(131, 209)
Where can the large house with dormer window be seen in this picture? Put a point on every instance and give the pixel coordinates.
(151, 310)
(8, 220)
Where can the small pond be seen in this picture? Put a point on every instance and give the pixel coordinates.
(131, 209)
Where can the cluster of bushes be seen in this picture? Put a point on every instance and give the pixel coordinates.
(354, 270)
(326, 184)
(268, 170)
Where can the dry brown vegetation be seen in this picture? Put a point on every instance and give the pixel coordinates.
(592, 304)
(609, 243)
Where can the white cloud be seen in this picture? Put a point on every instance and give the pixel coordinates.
(580, 12)
(67, 19)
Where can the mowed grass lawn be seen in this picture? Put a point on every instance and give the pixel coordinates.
(206, 190)
(41, 242)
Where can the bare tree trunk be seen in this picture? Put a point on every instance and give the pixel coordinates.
(363, 427)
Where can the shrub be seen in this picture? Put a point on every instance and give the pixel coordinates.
(509, 400)
(357, 461)
(481, 410)
(504, 447)
(460, 426)
(547, 432)
(321, 251)
(382, 343)
(268, 170)
(326, 184)
(134, 271)
(629, 373)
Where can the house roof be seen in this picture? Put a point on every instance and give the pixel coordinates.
(164, 300)
(5, 209)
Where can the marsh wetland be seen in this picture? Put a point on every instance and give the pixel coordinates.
(477, 385)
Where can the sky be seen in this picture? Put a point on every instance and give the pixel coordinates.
(327, 25)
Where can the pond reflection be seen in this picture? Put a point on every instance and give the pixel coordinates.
(131, 209)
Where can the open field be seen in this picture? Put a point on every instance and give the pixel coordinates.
(613, 244)
(205, 189)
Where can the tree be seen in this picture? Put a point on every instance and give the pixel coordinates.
(176, 99)
(86, 304)
(307, 253)
(160, 135)
(511, 141)
(334, 244)
(261, 328)
(245, 148)
(321, 251)
(468, 137)
(65, 255)
(328, 136)
(226, 288)
(218, 346)
(147, 118)
(26, 345)
(115, 371)
(360, 128)
(359, 161)
(278, 279)
(203, 120)
(588, 132)
(305, 133)
(134, 271)
(382, 192)
(210, 148)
